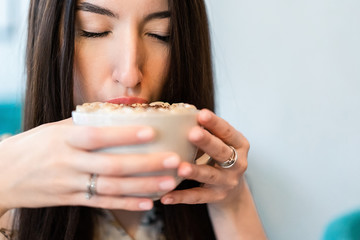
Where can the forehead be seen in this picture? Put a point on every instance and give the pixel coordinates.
(122, 7)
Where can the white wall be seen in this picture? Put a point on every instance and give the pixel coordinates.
(288, 77)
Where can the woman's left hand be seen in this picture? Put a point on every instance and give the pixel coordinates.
(221, 186)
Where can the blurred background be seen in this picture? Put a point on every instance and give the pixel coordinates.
(288, 77)
(13, 15)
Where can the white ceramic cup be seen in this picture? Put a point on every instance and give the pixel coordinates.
(171, 129)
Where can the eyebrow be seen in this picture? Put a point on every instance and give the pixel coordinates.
(157, 15)
(88, 7)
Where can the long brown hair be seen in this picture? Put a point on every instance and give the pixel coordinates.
(49, 98)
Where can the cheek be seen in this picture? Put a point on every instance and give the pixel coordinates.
(89, 62)
(90, 67)
(158, 68)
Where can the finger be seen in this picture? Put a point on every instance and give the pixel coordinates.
(67, 121)
(196, 195)
(111, 185)
(92, 138)
(124, 164)
(134, 185)
(210, 144)
(222, 129)
(204, 174)
(111, 202)
(120, 186)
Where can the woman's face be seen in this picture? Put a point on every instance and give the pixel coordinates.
(121, 50)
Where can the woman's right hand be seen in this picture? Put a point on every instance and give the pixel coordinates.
(51, 165)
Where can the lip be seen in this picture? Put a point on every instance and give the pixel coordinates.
(127, 100)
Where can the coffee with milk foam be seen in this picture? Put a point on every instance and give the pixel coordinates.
(171, 122)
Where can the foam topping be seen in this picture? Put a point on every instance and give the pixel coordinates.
(99, 107)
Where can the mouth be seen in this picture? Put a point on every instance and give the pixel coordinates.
(127, 100)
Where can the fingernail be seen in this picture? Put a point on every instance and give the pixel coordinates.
(196, 134)
(145, 133)
(171, 162)
(205, 116)
(168, 200)
(167, 185)
(185, 171)
(146, 205)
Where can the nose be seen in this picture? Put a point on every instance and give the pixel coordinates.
(128, 57)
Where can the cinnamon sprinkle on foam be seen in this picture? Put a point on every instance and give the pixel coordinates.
(100, 107)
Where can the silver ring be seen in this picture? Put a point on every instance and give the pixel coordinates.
(91, 186)
(231, 161)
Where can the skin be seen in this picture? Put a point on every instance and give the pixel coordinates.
(129, 61)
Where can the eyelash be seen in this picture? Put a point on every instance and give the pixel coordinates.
(86, 34)
(165, 39)
(93, 34)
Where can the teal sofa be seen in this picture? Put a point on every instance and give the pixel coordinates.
(10, 117)
(346, 227)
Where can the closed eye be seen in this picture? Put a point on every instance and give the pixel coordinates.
(94, 34)
(160, 37)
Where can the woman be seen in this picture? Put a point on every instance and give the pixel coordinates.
(122, 51)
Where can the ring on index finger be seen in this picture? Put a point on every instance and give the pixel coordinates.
(231, 161)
